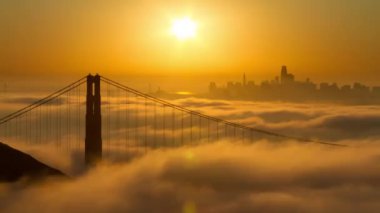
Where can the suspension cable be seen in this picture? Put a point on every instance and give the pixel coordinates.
(232, 124)
(40, 102)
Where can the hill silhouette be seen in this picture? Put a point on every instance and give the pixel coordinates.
(15, 164)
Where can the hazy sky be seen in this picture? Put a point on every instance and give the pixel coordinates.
(333, 40)
(45, 44)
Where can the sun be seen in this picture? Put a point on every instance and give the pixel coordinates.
(184, 28)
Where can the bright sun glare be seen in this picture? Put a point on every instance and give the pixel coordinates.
(184, 28)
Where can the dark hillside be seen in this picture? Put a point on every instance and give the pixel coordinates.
(15, 165)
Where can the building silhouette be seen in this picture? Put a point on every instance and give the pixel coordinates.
(287, 88)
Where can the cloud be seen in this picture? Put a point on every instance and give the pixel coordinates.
(284, 116)
(353, 124)
(196, 102)
(145, 123)
(227, 176)
(321, 121)
(219, 177)
(29, 100)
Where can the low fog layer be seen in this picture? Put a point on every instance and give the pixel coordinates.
(322, 121)
(227, 176)
(219, 177)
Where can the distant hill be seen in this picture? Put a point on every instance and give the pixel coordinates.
(15, 165)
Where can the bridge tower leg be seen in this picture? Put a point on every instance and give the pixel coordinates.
(93, 140)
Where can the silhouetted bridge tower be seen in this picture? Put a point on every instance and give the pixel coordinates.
(93, 138)
(119, 121)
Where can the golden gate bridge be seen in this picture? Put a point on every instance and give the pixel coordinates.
(114, 117)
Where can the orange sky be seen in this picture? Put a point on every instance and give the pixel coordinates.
(332, 40)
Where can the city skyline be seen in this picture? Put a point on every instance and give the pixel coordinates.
(287, 88)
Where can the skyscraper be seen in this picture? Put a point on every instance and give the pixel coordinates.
(285, 77)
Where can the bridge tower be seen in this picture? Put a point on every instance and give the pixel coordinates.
(93, 140)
